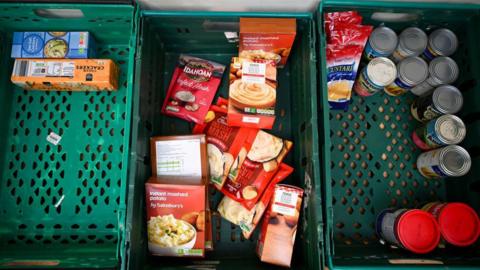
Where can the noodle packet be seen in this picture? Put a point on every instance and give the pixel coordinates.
(248, 220)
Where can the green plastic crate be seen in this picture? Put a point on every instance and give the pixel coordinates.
(369, 158)
(64, 206)
(164, 35)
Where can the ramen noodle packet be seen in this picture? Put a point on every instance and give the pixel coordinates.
(176, 218)
(335, 19)
(344, 50)
(234, 211)
(192, 88)
(267, 39)
(53, 45)
(252, 93)
(224, 142)
(252, 171)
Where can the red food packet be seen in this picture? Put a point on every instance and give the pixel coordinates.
(234, 212)
(350, 35)
(192, 88)
(251, 172)
(332, 19)
(224, 142)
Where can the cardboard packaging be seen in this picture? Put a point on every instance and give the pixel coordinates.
(279, 227)
(53, 45)
(175, 218)
(267, 39)
(252, 93)
(180, 159)
(66, 74)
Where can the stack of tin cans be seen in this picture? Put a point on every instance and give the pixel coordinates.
(410, 62)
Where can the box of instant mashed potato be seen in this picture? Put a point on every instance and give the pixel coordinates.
(175, 218)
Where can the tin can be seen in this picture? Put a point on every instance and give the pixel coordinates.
(441, 70)
(413, 230)
(411, 42)
(381, 43)
(445, 130)
(441, 42)
(411, 71)
(448, 161)
(379, 73)
(459, 223)
(445, 99)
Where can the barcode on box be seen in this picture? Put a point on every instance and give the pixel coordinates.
(285, 202)
(20, 68)
(253, 72)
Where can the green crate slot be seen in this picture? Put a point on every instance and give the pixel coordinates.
(64, 206)
(164, 36)
(369, 157)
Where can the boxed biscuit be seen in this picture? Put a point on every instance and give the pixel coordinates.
(53, 45)
(176, 218)
(66, 74)
(267, 39)
(279, 227)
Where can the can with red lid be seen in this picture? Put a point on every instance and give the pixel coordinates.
(459, 223)
(411, 229)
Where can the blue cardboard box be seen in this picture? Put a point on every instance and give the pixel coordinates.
(53, 45)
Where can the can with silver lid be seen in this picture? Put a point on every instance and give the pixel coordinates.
(411, 42)
(411, 71)
(379, 73)
(445, 99)
(445, 130)
(442, 70)
(381, 43)
(448, 161)
(441, 42)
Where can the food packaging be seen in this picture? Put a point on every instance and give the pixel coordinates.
(224, 142)
(279, 226)
(251, 173)
(252, 93)
(66, 74)
(180, 159)
(53, 45)
(267, 39)
(237, 214)
(192, 88)
(175, 218)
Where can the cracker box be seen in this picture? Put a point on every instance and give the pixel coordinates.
(53, 45)
(279, 227)
(66, 74)
(176, 216)
(267, 39)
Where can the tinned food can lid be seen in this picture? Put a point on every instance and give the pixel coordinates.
(418, 231)
(383, 40)
(450, 129)
(413, 39)
(459, 224)
(447, 99)
(455, 160)
(443, 42)
(381, 71)
(443, 69)
(412, 70)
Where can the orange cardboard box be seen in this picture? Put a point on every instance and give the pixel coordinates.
(176, 216)
(267, 39)
(66, 74)
(252, 93)
(279, 227)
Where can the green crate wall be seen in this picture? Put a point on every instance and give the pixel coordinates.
(369, 158)
(64, 206)
(164, 35)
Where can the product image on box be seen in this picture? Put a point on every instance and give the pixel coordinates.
(66, 74)
(53, 45)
